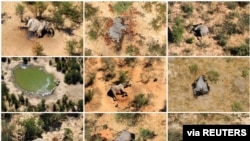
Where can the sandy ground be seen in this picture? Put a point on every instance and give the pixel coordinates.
(74, 92)
(100, 48)
(154, 122)
(230, 89)
(16, 43)
(102, 103)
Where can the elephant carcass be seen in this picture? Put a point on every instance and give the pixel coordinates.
(200, 30)
(115, 31)
(40, 27)
(200, 86)
(118, 89)
(125, 136)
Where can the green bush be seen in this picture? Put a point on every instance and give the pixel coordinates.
(242, 50)
(213, 76)
(221, 39)
(128, 118)
(123, 76)
(245, 72)
(32, 129)
(90, 11)
(74, 47)
(132, 50)
(156, 49)
(19, 9)
(177, 31)
(236, 107)
(89, 95)
(190, 40)
(147, 134)
(121, 7)
(193, 68)
(58, 20)
(187, 8)
(139, 101)
(90, 79)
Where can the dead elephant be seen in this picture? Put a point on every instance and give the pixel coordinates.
(118, 90)
(200, 30)
(200, 86)
(125, 136)
(40, 28)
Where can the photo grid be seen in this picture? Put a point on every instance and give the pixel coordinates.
(122, 70)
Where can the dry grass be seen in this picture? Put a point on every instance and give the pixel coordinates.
(229, 93)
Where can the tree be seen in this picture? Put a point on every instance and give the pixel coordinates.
(54, 108)
(80, 105)
(68, 134)
(32, 130)
(178, 30)
(90, 11)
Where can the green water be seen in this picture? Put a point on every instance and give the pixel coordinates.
(33, 79)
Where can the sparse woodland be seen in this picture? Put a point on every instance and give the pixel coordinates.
(228, 24)
(47, 126)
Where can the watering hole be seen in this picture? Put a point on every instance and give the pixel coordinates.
(34, 79)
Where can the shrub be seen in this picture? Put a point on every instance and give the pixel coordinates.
(74, 47)
(68, 134)
(193, 68)
(19, 9)
(146, 134)
(90, 11)
(177, 31)
(156, 49)
(187, 8)
(94, 29)
(213, 76)
(121, 7)
(245, 72)
(221, 39)
(89, 95)
(32, 130)
(236, 107)
(37, 49)
(123, 77)
(242, 50)
(129, 118)
(58, 20)
(132, 50)
(139, 101)
(40, 7)
(190, 40)
(90, 79)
